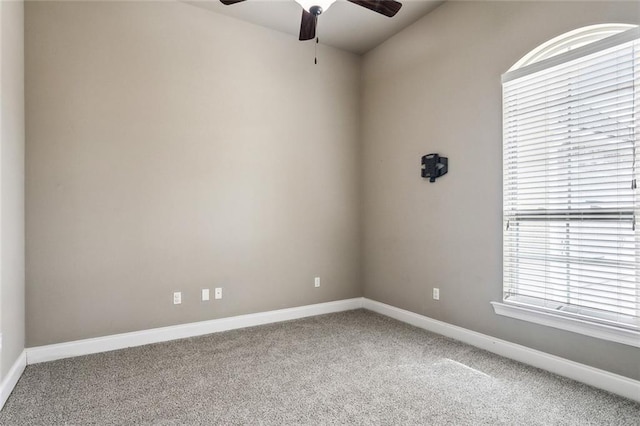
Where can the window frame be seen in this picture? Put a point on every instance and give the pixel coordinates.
(554, 52)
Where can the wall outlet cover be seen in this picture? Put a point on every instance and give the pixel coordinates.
(177, 298)
(218, 293)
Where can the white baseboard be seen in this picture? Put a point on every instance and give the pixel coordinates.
(10, 381)
(611, 382)
(138, 338)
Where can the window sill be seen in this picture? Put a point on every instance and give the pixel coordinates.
(592, 329)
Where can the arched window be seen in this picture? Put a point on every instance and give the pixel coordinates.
(570, 41)
(571, 117)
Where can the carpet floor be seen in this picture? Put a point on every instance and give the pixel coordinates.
(353, 367)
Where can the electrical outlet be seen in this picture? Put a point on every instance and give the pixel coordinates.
(316, 282)
(177, 297)
(436, 294)
(218, 293)
(205, 294)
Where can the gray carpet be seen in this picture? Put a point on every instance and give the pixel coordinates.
(354, 367)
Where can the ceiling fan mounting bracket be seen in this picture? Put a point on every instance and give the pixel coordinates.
(315, 10)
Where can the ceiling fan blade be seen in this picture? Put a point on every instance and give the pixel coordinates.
(308, 26)
(386, 7)
(230, 2)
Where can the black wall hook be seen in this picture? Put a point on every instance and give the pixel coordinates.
(434, 166)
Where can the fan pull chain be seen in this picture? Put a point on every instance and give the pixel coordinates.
(315, 60)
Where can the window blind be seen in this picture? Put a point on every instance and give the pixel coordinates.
(571, 242)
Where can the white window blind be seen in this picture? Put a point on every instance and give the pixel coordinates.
(571, 204)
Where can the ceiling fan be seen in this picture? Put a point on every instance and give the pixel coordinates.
(311, 9)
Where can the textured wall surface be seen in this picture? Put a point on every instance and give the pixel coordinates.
(173, 149)
(12, 143)
(445, 97)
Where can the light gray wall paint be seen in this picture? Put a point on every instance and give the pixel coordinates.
(435, 87)
(169, 149)
(12, 182)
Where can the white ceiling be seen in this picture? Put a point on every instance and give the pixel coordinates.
(345, 25)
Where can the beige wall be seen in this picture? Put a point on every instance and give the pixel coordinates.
(435, 87)
(12, 182)
(169, 148)
(173, 149)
